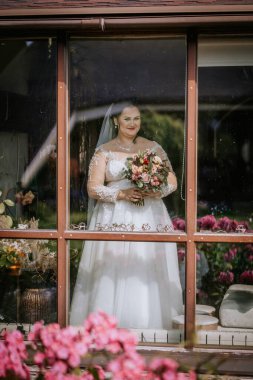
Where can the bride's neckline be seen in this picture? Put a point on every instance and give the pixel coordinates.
(125, 147)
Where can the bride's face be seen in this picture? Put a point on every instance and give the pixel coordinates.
(129, 122)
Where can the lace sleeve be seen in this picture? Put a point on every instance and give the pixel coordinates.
(172, 180)
(96, 180)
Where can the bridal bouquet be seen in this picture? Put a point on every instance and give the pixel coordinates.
(147, 171)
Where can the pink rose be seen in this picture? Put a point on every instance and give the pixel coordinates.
(145, 177)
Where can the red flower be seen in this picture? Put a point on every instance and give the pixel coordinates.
(226, 278)
(247, 277)
(230, 255)
(179, 224)
(207, 222)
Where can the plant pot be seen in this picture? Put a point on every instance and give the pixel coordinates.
(38, 304)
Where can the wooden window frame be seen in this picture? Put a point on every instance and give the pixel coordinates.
(189, 23)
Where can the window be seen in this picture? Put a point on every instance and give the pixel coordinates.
(224, 270)
(49, 137)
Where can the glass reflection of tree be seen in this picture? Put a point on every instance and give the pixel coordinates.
(168, 131)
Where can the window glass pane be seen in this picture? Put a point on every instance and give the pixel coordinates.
(150, 73)
(224, 301)
(140, 283)
(28, 131)
(27, 282)
(225, 180)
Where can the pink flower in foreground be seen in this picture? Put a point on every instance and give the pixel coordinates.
(61, 349)
(58, 353)
(128, 366)
(226, 278)
(105, 335)
(12, 355)
(167, 369)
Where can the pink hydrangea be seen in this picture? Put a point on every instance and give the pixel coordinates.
(12, 355)
(226, 278)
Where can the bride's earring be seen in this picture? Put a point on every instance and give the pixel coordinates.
(116, 126)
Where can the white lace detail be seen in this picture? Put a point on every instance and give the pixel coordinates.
(168, 189)
(106, 171)
(105, 193)
(96, 183)
(116, 227)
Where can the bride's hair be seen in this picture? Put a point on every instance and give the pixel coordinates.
(117, 108)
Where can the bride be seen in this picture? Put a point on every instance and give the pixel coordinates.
(138, 282)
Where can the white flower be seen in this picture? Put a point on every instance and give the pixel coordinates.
(22, 226)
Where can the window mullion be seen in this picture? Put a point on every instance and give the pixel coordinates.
(191, 191)
(61, 177)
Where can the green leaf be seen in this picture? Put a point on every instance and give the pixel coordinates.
(2, 208)
(9, 203)
(1, 193)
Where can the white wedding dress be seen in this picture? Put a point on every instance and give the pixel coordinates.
(138, 282)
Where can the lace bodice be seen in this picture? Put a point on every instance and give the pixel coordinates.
(106, 171)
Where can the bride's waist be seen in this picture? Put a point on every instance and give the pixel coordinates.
(120, 184)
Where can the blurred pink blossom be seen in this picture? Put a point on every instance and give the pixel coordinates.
(58, 353)
(128, 366)
(12, 355)
(167, 369)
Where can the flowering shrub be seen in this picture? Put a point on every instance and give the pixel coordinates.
(58, 352)
(219, 265)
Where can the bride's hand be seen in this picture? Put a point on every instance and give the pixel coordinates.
(151, 194)
(131, 195)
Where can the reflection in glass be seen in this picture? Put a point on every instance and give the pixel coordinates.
(161, 103)
(28, 132)
(140, 283)
(224, 300)
(27, 281)
(225, 133)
